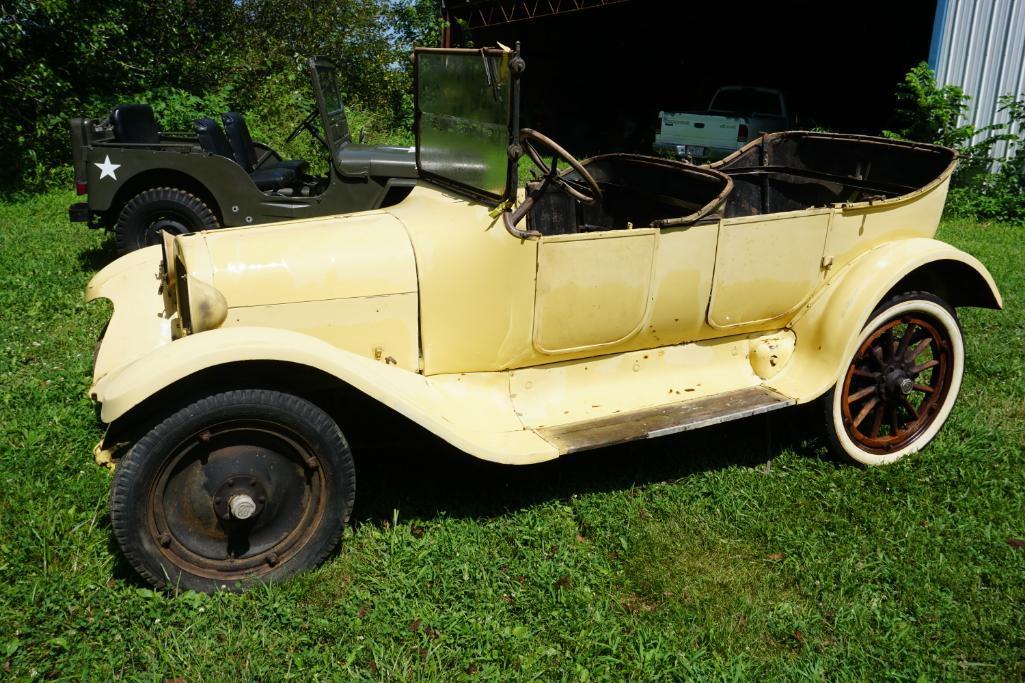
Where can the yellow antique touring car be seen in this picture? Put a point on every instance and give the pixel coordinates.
(623, 298)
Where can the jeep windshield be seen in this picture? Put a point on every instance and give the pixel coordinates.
(329, 102)
(465, 105)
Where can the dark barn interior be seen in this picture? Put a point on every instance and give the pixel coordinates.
(598, 76)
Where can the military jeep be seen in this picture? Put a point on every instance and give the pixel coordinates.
(626, 298)
(141, 181)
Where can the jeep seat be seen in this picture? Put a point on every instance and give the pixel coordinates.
(212, 140)
(134, 123)
(245, 152)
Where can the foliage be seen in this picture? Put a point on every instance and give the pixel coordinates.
(66, 58)
(737, 552)
(927, 112)
(1000, 195)
(930, 113)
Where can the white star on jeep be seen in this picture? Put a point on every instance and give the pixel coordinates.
(107, 168)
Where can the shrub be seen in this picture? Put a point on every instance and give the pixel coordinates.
(64, 58)
(927, 112)
(1000, 195)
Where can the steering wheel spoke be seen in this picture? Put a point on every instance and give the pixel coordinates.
(590, 194)
(586, 191)
(307, 125)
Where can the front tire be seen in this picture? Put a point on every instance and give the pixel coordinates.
(238, 488)
(162, 209)
(901, 384)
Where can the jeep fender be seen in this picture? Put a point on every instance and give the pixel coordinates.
(419, 398)
(827, 328)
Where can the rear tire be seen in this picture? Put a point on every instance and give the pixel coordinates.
(160, 209)
(236, 489)
(901, 384)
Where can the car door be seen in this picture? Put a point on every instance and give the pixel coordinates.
(766, 266)
(622, 289)
(593, 289)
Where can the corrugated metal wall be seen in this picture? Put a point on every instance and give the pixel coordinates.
(979, 45)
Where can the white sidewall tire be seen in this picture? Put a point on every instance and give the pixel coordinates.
(950, 324)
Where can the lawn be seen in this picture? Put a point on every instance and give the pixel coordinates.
(740, 552)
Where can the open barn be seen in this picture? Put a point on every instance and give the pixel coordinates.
(599, 71)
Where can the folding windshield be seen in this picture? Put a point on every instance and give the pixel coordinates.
(465, 104)
(329, 102)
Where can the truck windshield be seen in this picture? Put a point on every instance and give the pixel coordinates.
(329, 102)
(463, 117)
(329, 87)
(746, 101)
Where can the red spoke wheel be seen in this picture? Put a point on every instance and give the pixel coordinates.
(901, 383)
(237, 488)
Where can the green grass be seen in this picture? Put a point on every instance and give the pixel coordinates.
(733, 553)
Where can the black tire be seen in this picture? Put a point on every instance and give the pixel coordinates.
(169, 209)
(172, 495)
(900, 386)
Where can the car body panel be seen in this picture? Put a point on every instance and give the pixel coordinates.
(757, 278)
(827, 327)
(593, 289)
(295, 262)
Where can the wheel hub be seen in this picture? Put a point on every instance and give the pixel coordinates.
(241, 497)
(169, 224)
(895, 383)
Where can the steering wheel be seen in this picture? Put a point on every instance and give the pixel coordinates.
(307, 125)
(574, 189)
(587, 192)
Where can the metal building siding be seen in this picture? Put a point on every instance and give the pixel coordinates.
(979, 45)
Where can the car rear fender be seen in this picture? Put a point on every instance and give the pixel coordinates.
(827, 328)
(499, 438)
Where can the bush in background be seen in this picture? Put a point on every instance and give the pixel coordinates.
(1000, 195)
(927, 112)
(192, 58)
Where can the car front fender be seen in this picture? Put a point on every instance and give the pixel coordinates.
(827, 328)
(500, 438)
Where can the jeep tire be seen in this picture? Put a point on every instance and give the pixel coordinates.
(153, 211)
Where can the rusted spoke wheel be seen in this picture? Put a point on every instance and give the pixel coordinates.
(901, 382)
(238, 488)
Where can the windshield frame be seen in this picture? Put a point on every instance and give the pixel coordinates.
(334, 122)
(512, 124)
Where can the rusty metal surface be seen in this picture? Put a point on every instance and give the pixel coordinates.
(663, 420)
(483, 13)
(189, 512)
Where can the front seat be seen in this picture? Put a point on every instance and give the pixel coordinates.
(134, 123)
(245, 152)
(212, 140)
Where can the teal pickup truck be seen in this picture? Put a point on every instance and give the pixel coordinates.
(736, 115)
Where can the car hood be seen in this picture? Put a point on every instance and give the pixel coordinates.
(359, 255)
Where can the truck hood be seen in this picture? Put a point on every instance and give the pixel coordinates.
(361, 161)
(337, 257)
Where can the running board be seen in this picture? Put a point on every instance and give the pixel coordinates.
(663, 420)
